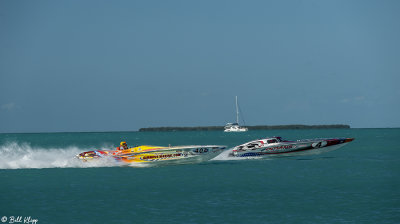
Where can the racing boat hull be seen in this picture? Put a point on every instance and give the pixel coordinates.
(277, 147)
(159, 154)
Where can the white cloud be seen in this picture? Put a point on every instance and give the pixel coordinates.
(345, 100)
(8, 106)
(353, 99)
(359, 98)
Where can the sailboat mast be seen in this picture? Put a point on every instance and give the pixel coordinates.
(237, 112)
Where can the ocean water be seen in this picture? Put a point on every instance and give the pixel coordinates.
(358, 183)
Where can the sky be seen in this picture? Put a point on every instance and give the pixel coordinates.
(92, 65)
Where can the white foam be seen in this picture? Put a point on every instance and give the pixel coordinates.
(22, 156)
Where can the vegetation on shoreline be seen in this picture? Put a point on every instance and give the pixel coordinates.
(257, 127)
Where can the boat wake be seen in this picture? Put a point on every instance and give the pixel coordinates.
(23, 156)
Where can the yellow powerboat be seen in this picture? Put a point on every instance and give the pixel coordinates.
(147, 153)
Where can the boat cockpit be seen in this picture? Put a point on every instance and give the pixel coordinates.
(259, 143)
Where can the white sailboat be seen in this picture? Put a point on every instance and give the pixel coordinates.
(234, 127)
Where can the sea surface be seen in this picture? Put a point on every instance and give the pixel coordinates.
(40, 180)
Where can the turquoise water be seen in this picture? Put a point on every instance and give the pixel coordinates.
(358, 183)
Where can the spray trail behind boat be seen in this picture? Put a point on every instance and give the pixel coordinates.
(15, 155)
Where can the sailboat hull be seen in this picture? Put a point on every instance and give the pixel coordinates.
(235, 129)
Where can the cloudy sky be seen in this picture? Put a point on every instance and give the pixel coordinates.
(122, 65)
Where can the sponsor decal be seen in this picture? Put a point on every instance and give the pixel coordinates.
(319, 144)
(201, 150)
(279, 148)
(248, 154)
(161, 157)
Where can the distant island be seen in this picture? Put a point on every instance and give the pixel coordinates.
(257, 127)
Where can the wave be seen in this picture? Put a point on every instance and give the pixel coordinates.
(23, 156)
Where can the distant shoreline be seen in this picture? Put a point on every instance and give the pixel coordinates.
(257, 127)
(145, 129)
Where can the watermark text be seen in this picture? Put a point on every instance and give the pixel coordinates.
(19, 219)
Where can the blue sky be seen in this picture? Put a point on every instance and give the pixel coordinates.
(123, 65)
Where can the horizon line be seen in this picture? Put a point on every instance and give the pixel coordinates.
(61, 132)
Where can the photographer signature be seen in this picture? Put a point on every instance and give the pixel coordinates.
(19, 219)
